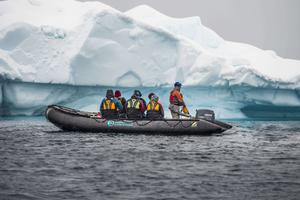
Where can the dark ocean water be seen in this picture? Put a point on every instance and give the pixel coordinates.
(254, 160)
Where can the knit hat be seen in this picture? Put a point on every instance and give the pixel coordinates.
(137, 93)
(150, 95)
(109, 94)
(118, 93)
(177, 84)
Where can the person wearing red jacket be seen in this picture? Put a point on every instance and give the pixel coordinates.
(176, 101)
(121, 99)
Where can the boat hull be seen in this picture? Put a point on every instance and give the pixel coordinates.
(74, 120)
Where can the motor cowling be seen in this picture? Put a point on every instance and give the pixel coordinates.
(205, 114)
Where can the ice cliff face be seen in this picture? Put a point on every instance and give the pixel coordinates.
(54, 44)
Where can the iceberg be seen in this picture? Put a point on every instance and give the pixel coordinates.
(69, 52)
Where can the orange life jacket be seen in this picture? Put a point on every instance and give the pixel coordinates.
(176, 97)
(152, 105)
(109, 104)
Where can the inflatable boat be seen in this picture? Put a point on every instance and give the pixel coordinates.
(69, 119)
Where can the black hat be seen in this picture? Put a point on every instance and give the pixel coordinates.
(150, 95)
(137, 93)
(109, 93)
(177, 84)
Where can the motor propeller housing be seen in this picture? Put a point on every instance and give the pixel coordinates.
(205, 114)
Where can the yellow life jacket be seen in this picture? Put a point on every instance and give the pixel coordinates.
(109, 104)
(133, 103)
(185, 110)
(152, 105)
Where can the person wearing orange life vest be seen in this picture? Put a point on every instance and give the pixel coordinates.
(176, 101)
(110, 105)
(154, 108)
(150, 95)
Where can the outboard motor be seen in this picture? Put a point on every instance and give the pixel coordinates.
(205, 114)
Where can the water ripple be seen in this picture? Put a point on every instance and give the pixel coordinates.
(254, 160)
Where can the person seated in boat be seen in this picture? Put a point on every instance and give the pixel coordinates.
(176, 101)
(135, 106)
(122, 100)
(140, 97)
(150, 95)
(154, 108)
(110, 105)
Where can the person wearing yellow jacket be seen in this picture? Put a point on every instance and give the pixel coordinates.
(110, 105)
(154, 108)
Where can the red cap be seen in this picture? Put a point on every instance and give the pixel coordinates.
(118, 93)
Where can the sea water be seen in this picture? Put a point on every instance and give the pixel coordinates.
(253, 160)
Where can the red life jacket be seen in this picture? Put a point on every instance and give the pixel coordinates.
(171, 99)
(174, 99)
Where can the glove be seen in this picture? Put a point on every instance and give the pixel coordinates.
(185, 110)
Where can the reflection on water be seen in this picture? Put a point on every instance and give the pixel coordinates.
(254, 160)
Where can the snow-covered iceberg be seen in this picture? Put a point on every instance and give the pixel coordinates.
(69, 52)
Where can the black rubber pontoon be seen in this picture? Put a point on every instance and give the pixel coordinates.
(74, 120)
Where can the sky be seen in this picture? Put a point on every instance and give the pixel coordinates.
(267, 24)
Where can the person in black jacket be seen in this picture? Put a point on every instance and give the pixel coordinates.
(135, 106)
(110, 105)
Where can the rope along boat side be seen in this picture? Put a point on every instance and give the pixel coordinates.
(69, 119)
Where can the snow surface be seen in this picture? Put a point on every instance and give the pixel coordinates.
(80, 43)
(48, 44)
